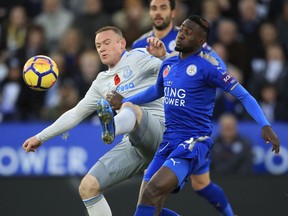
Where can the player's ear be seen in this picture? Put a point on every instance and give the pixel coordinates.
(202, 40)
(173, 13)
(123, 43)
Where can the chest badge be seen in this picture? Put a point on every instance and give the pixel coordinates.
(191, 70)
(127, 72)
(117, 80)
(166, 71)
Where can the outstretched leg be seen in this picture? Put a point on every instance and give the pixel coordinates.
(125, 121)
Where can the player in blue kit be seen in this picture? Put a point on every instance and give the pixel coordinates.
(188, 82)
(162, 13)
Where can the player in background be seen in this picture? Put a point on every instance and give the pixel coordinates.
(162, 13)
(188, 83)
(125, 74)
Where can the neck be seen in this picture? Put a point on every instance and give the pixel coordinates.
(162, 33)
(110, 66)
(186, 54)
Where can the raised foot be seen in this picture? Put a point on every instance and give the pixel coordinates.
(106, 116)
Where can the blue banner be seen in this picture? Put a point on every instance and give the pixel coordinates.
(75, 152)
(265, 161)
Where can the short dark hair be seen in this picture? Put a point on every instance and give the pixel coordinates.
(172, 4)
(203, 23)
(112, 28)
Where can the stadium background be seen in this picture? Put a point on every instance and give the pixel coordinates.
(46, 183)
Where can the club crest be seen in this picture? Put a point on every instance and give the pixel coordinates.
(191, 70)
(127, 72)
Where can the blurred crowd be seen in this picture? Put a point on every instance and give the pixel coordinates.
(250, 35)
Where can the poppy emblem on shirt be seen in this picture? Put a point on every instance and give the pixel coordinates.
(191, 70)
(166, 71)
(117, 79)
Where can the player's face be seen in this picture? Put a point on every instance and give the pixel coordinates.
(161, 14)
(189, 38)
(110, 47)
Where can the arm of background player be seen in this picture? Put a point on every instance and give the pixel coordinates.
(150, 94)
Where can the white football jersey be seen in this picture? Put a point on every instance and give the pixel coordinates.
(136, 71)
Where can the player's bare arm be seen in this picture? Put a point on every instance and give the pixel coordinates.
(269, 136)
(31, 144)
(156, 47)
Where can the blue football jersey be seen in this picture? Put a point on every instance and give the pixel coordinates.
(189, 92)
(212, 52)
(168, 40)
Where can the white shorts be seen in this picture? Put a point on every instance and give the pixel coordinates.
(132, 155)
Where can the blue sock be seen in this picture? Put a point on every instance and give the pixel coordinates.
(215, 195)
(168, 212)
(144, 210)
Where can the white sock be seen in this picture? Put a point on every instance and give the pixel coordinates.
(125, 121)
(97, 206)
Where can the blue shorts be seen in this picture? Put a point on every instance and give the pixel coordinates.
(181, 160)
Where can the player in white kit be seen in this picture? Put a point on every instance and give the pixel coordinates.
(128, 73)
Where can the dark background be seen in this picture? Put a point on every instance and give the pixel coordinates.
(255, 195)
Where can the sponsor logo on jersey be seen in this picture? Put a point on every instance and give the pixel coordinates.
(168, 82)
(122, 88)
(191, 70)
(174, 96)
(174, 161)
(227, 78)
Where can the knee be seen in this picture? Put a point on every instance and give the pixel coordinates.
(199, 185)
(199, 182)
(128, 104)
(89, 187)
(152, 193)
(136, 109)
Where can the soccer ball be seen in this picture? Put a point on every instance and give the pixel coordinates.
(40, 73)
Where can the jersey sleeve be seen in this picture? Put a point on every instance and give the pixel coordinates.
(72, 117)
(250, 104)
(148, 62)
(150, 94)
(219, 77)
